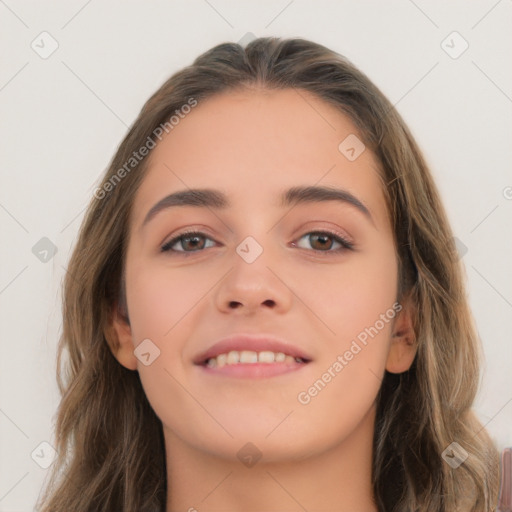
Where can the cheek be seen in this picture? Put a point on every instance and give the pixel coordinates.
(159, 299)
(351, 296)
(358, 304)
(161, 307)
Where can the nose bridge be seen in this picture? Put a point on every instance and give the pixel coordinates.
(252, 280)
(257, 238)
(250, 250)
(252, 259)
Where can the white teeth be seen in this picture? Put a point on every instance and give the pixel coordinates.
(222, 360)
(212, 362)
(247, 356)
(280, 357)
(250, 357)
(266, 357)
(233, 357)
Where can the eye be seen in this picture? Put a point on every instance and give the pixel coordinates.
(194, 241)
(190, 239)
(319, 240)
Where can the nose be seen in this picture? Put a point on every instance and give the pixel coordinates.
(251, 287)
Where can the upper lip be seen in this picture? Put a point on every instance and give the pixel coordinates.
(254, 343)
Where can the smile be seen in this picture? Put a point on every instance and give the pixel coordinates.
(251, 364)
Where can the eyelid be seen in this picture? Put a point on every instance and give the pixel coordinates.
(319, 226)
(346, 243)
(189, 231)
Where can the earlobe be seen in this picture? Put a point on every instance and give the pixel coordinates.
(401, 354)
(118, 334)
(403, 343)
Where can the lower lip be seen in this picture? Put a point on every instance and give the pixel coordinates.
(254, 370)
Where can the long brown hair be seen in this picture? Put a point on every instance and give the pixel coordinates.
(111, 453)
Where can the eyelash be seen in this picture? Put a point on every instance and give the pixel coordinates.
(346, 245)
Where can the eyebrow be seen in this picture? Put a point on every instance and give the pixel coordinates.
(211, 198)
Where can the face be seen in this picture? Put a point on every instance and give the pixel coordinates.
(318, 273)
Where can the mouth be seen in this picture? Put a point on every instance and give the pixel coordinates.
(251, 357)
(235, 357)
(250, 364)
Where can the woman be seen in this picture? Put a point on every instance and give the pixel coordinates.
(264, 309)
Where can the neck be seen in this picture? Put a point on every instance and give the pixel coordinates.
(337, 479)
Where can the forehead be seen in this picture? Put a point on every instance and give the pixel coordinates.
(253, 144)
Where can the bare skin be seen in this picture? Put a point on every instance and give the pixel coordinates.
(315, 455)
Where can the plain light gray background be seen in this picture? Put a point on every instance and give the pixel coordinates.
(64, 115)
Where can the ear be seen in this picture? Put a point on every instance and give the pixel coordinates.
(118, 334)
(403, 342)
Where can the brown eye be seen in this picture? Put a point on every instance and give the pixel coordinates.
(323, 241)
(190, 242)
